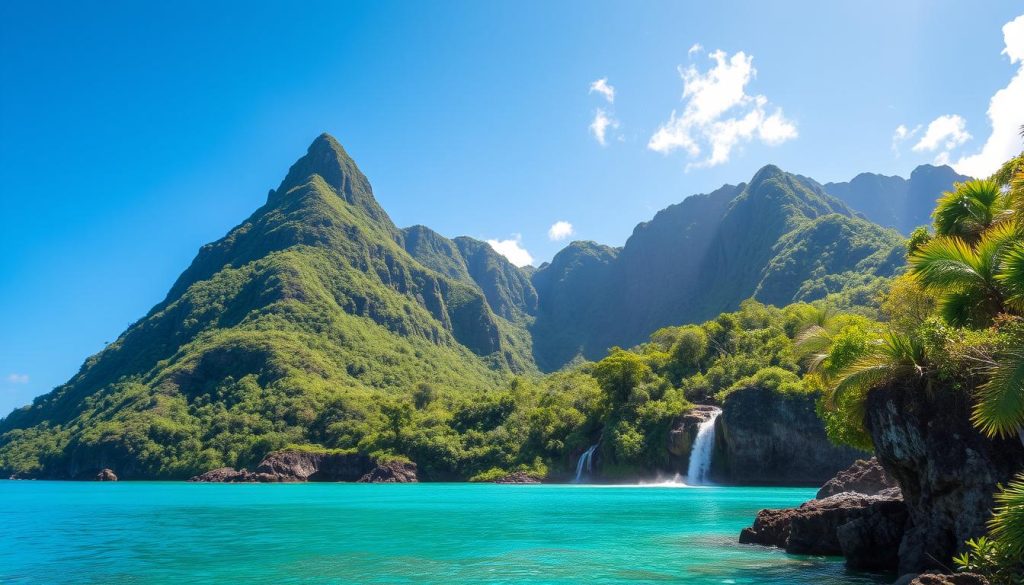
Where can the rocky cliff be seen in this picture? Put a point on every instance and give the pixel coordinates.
(769, 437)
(945, 468)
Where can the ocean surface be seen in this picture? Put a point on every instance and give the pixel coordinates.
(142, 532)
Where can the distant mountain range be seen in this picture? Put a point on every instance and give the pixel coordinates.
(317, 305)
(895, 202)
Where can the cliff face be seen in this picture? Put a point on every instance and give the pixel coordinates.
(945, 468)
(769, 437)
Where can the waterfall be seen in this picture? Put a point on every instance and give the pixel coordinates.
(700, 454)
(585, 460)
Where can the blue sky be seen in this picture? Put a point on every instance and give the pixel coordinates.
(131, 134)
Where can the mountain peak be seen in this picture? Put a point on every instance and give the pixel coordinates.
(327, 158)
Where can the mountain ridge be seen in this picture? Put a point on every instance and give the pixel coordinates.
(313, 320)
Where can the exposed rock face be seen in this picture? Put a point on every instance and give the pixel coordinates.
(298, 466)
(684, 431)
(945, 468)
(767, 437)
(106, 474)
(517, 477)
(391, 472)
(865, 529)
(231, 475)
(865, 476)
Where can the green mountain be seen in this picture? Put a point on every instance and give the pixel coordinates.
(291, 329)
(895, 202)
(779, 239)
(317, 321)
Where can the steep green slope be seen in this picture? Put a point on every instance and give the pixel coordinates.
(292, 329)
(779, 238)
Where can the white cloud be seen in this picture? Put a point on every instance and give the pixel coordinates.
(1005, 112)
(17, 378)
(512, 249)
(599, 127)
(602, 87)
(694, 48)
(901, 135)
(945, 132)
(560, 230)
(719, 114)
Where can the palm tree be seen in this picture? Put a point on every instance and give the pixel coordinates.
(969, 279)
(894, 356)
(1007, 523)
(969, 209)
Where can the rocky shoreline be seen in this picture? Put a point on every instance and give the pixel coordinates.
(291, 466)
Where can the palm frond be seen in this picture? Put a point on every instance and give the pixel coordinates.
(946, 262)
(1007, 522)
(811, 346)
(969, 209)
(1011, 275)
(999, 410)
(893, 356)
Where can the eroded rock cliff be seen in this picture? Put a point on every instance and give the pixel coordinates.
(946, 469)
(769, 437)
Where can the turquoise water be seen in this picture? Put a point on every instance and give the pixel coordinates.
(66, 532)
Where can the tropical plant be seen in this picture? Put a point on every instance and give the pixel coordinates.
(969, 209)
(970, 277)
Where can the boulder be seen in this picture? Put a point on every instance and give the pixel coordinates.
(866, 477)
(231, 475)
(769, 437)
(391, 472)
(106, 474)
(947, 471)
(517, 477)
(865, 529)
(771, 528)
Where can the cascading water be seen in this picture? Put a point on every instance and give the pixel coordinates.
(586, 461)
(703, 448)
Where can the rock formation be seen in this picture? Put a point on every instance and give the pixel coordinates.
(391, 472)
(301, 465)
(769, 437)
(683, 433)
(517, 477)
(946, 469)
(106, 474)
(864, 529)
(866, 477)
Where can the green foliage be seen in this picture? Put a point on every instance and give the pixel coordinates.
(969, 209)
(991, 558)
(918, 238)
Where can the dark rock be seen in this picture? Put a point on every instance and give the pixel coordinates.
(517, 477)
(293, 465)
(871, 541)
(864, 529)
(815, 524)
(946, 470)
(684, 431)
(945, 579)
(866, 477)
(106, 474)
(391, 472)
(768, 437)
(771, 528)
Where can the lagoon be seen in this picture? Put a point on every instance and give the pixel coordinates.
(172, 532)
